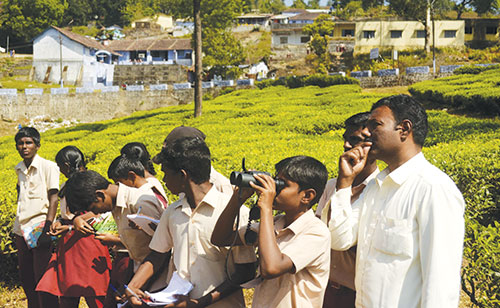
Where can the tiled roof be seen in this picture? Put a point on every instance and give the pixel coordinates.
(150, 44)
(83, 40)
(305, 16)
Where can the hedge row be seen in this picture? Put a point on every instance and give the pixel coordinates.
(473, 93)
(302, 81)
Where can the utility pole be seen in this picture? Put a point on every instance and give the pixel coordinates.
(433, 38)
(60, 60)
(7, 44)
(197, 58)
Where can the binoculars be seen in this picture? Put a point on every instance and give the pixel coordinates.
(243, 179)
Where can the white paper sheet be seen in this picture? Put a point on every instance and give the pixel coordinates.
(176, 286)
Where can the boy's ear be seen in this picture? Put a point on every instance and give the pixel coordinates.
(131, 176)
(308, 196)
(99, 194)
(184, 174)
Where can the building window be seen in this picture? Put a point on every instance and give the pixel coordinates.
(283, 40)
(420, 33)
(368, 34)
(450, 33)
(491, 30)
(304, 39)
(347, 32)
(396, 34)
(468, 30)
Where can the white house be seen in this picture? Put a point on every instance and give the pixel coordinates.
(84, 61)
(162, 21)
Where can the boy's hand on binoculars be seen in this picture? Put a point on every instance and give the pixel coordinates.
(266, 192)
(243, 193)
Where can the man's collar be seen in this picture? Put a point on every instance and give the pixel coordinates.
(211, 198)
(403, 172)
(35, 163)
(121, 195)
(371, 176)
(297, 226)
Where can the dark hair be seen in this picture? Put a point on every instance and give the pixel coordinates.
(122, 165)
(73, 156)
(405, 107)
(190, 154)
(306, 171)
(30, 132)
(138, 151)
(80, 189)
(357, 120)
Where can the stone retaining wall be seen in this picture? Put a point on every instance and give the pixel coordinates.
(401, 80)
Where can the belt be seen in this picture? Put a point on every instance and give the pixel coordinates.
(338, 286)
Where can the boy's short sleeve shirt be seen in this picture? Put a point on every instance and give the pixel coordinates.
(195, 258)
(34, 183)
(128, 201)
(307, 243)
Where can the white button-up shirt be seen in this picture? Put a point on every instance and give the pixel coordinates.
(188, 231)
(409, 228)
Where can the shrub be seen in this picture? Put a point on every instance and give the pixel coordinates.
(473, 93)
(474, 69)
(319, 80)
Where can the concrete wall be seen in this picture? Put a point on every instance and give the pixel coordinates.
(89, 107)
(409, 39)
(401, 80)
(149, 74)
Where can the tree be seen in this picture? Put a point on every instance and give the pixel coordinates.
(313, 4)
(371, 3)
(299, 4)
(319, 31)
(23, 20)
(198, 65)
(223, 53)
(486, 6)
(271, 6)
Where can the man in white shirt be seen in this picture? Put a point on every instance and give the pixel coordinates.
(340, 292)
(408, 223)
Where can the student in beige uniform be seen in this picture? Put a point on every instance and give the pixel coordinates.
(89, 191)
(218, 180)
(340, 292)
(37, 187)
(186, 227)
(294, 248)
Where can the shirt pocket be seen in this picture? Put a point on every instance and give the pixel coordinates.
(394, 237)
(35, 188)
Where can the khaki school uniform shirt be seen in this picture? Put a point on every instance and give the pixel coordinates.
(34, 183)
(306, 242)
(188, 232)
(128, 201)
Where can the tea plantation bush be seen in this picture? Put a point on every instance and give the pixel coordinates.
(472, 92)
(319, 80)
(267, 125)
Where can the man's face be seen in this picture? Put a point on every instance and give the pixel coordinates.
(385, 135)
(27, 148)
(354, 135)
